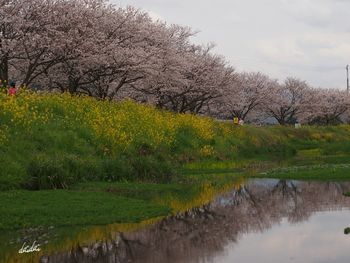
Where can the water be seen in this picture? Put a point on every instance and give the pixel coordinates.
(319, 239)
(262, 221)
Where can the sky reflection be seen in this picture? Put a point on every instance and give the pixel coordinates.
(260, 221)
(320, 239)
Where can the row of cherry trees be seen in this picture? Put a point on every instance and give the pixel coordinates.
(256, 97)
(91, 47)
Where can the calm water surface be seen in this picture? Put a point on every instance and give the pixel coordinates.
(262, 221)
(319, 239)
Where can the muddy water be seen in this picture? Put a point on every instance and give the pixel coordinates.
(263, 221)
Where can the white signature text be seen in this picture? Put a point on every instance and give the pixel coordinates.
(29, 249)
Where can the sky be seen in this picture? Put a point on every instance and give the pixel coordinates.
(307, 39)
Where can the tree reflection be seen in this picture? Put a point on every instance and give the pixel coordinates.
(200, 234)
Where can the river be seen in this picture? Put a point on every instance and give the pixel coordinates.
(262, 221)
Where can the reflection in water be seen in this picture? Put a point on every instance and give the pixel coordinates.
(320, 239)
(225, 229)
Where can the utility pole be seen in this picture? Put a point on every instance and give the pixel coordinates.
(347, 78)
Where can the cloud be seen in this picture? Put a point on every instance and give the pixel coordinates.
(319, 58)
(307, 48)
(303, 38)
(315, 13)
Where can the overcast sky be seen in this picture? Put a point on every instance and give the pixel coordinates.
(308, 39)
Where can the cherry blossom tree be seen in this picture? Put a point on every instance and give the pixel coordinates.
(103, 56)
(327, 106)
(95, 48)
(10, 36)
(245, 94)
(27, 39)
(205, 78)
(286, 101)
(189, 80)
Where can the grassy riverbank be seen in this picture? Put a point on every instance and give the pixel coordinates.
(127, 162)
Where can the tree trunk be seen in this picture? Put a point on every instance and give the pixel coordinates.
(4, 74)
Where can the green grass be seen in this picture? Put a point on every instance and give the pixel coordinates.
(101, 203)
(97, 162)
(95, 203)
(115, 159)
(54, 141)
(143, 191)
(24, 209)
(324, 172)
